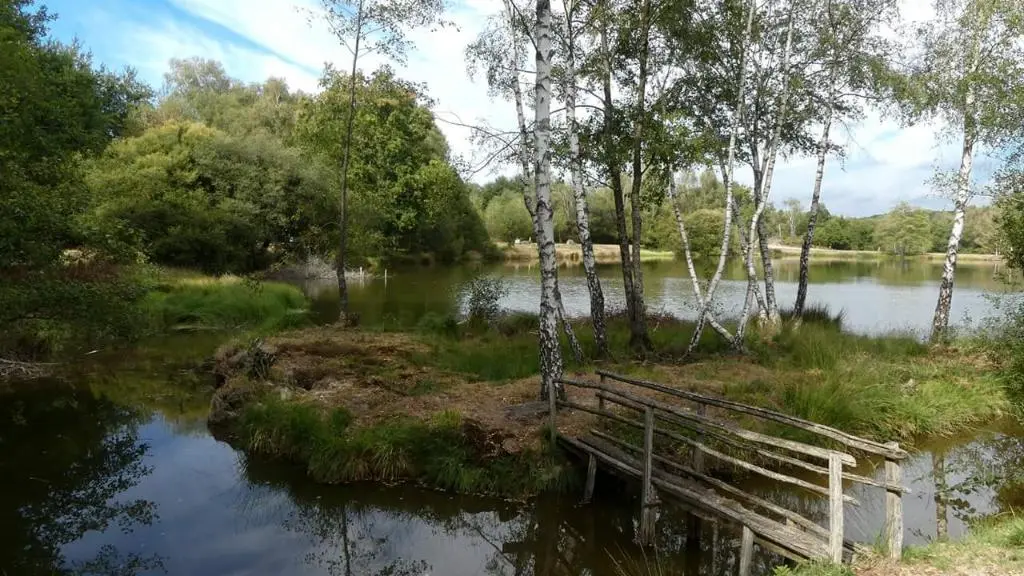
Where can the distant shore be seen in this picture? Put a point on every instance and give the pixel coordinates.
(603, 253)
(785, 251)
(609, 254)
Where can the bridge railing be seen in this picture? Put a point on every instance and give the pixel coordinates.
(767, 455)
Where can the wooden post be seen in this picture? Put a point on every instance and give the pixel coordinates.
(600, 399)
(588, 489)
(554, 412)
(835, 513)
(696, 454)
(894, 507)
(648, 499)
(746, 551)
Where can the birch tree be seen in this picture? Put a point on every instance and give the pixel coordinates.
(498, 52)
(851, 52)
(970, 67)
(550, 352)
(570, 34)
(368, 27)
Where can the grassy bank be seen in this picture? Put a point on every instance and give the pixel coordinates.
(603, 253)
(454, 405)
(994, 547)
(183, 301)
(443, 451)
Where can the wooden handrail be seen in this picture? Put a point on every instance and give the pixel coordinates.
(704, 422)
(760, 470)
(889, 450)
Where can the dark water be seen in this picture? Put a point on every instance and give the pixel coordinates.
(116, 473)
(876, 296)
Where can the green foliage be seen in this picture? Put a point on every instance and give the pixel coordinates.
(405, 198)
(186, 195)
(57, 311)
(904, 231)
(226, 303)
(840, 233)
(483, 299)
(1011, 225)
(438, 452)
(54, 108)
(506, 218)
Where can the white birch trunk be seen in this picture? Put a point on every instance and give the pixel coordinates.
(580, 198)
(524, 162)
(727, 178)
(688, 254)
(812, 214)
(550, 352)
(941, 320)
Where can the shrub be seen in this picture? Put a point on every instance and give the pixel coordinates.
(483, 299)
(227, 302)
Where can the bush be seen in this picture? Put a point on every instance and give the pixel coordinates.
(483, 299)
(1003, 339)
(440, 324)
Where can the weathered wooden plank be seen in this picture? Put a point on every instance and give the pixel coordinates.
(746, 551)
(835, 509)
(789, 515)
(838, 435)
(716, 425)
(778, 476)
(648, 512)
(894, 510)
(801, 543)
(588, 489)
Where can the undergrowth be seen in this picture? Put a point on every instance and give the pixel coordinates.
(437, 453)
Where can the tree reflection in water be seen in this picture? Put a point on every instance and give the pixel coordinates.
(65, 458)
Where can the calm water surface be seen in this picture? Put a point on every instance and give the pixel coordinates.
(876, 296)
(116, 473)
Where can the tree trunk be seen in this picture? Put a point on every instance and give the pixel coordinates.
(528, 201)
(550, 352)
(941, 320)
(615, 176)
(688, 254)
(639, 339)
(580, 198)
(345, 160)
(812, 216)
(727, 181)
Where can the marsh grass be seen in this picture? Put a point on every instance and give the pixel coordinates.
(437, 452)
(226, 302)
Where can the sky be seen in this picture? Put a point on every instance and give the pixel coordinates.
(885, 163)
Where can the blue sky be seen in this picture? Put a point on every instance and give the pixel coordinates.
(254, 39)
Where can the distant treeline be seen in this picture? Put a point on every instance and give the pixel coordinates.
(905, 230)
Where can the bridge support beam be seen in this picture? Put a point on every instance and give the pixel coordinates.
(649, 497)
(894, 507)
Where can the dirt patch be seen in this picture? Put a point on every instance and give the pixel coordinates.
(376, 377)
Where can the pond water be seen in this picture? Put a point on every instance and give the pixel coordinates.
(115, 472)
(875, 296)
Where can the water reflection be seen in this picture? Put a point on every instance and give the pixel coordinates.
(875, 295)
(113, 476)
(68, 460)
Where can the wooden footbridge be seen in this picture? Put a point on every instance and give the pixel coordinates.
(704, 427)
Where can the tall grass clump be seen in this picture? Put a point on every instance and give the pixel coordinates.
(819, 314)
(227, 303)
(441, 452)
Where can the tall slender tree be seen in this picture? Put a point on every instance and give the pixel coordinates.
(370, 27)
(969, 70)
(850, 54)
(550, 352)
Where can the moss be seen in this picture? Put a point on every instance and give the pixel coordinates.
(443, 452)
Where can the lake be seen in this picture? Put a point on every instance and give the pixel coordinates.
(115, 472)
(875, 296)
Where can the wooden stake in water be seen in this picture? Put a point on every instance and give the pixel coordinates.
(648, 500)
